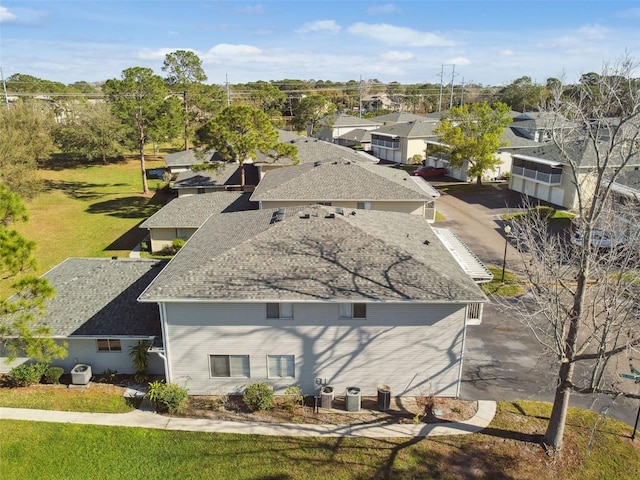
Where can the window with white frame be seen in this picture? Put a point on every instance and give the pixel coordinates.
(279, 310)
(109, 345)
(229, 366)
(353, 310)
(364, 205)
(281, 366)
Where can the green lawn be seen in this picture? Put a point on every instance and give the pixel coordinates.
(511, 287)
(90, 211)
(508, 449)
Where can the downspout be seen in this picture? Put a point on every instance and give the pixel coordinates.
(165, 355)
(464, 340)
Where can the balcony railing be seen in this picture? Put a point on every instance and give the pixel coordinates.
(385, 143)
(537, 176)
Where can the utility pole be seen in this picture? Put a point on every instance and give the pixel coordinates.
(4, 88)
(360, 98)
(441, 75)
(453, 75)
(226, 78)
(462, 93)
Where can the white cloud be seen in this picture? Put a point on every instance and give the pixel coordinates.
(459, 61)
(630, 14)
(506, 53)
(329, 26)
(227, 50)
(252, 10)
(394, 55)
(159, 53)
(593, 32)
(382, 9)
(6, 15)
(392, 35)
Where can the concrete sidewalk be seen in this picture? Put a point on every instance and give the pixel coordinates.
(145, 419)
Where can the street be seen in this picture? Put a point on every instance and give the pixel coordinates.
(503, 361)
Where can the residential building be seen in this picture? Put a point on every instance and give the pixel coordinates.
(314, 296)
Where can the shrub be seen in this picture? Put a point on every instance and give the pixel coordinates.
(292, 397)
(27, 373)
(258, 396)
(53, 374)
(177, 244)
(167, 397)
(139, 354)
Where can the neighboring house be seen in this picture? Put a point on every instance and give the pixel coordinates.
(347, 184)
(182, 216)
(342, 123)
(310, 150)
(222, 176)
(358, 138)
(539, 126)
(379, 101)
(95, 311)
(184, 161)
(314, 296)
(404, 117)
(544, 172)
(400, 142)
(515, 144)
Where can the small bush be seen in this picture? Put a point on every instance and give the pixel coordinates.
(292, 397)
(53, 374)
(258, 396)
(167, 397)
(27, 374)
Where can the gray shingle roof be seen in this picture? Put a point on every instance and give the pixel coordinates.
(193, 210)
(417, 129)
(228, 175)
(311, 150)
(369, 256)
(188, 158)
(400, 117)
(344, 120)
(358, 134)
(339, 180)
(97, 297)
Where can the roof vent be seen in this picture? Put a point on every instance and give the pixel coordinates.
(427, 242)
(353, 212)
(330, 215)
(340, 211)
(114, 258)
(278, 216)
(316, 163)
(305, 215)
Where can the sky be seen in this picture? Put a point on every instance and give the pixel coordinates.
(488, 43)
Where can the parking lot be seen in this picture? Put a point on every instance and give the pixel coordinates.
(503, 361)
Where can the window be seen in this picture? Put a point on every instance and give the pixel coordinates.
(364, 205)
(281, 366)
(229, 365)
(279, 310)
(326, 204)
(200, 190)
(353, 310)
(109, 345)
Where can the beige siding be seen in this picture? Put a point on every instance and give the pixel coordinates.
(163, 237)
(416, 349)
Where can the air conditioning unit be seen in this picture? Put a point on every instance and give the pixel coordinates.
(81, 374)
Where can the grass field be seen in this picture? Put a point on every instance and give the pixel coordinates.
(90, 211)
(508, 449)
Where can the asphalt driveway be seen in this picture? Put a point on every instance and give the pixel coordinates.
(503, 361)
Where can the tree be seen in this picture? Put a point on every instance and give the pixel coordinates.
(311, 109)
(267, 97)
(584, 299)
(19, 332)
(25, 139)
(522, 94)
(138, 101)
(92, 133)
(471, 133)
(184, 71)
(238, 133)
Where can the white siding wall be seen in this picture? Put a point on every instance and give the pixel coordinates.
(86, 351)
(416, 349)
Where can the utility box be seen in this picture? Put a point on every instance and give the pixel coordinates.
(384, 397)
(81, 374)
(326, 397)
(353, 399)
